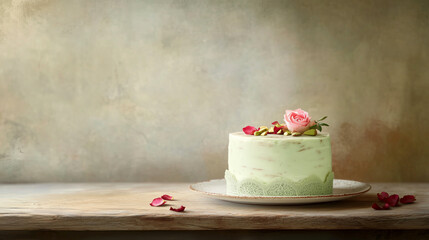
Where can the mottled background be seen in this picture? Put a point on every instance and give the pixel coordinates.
(149, 90)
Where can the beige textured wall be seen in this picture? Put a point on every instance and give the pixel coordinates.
(149, 90)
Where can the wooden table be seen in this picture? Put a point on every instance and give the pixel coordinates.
(125, 206)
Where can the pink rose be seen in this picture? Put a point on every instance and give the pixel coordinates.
(298, 120)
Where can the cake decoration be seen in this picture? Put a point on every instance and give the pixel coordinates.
(383, 207)
(157, 202)
(383, 195)
(160, 201)
(298, 120)
(391, 200)
(311, 185)
(297, 123)
(180, 209)
(407, 199)
(249, 130)
(167, 197)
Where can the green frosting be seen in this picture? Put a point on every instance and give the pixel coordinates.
(309, 186)
(267, 158)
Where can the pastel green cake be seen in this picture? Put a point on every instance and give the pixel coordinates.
(279, 165)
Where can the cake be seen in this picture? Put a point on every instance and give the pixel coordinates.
(284, 160)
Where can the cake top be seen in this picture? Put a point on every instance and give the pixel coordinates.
(297, 123)
(278, 136)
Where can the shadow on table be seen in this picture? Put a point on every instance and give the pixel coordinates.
(348, 204)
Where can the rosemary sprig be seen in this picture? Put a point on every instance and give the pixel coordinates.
(319, 124)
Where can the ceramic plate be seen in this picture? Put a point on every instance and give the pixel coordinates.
(342, 189)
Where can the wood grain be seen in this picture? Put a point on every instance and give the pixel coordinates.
(125, 206)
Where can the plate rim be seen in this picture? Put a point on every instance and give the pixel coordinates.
(281, 197)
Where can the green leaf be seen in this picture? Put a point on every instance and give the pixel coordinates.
(324, 124)
(319, 127)
(323, 118)
(314, 126)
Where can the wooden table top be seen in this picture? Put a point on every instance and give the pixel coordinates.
(125, 206)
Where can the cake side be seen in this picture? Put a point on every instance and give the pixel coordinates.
(279, 165)
(310, 186)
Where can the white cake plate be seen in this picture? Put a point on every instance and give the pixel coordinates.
(343, 189)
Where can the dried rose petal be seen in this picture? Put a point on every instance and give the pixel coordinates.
(392, 200)
(275, 123)
(249, 130)
(407, 199)
(156, 202)
(276, 129)
(382, 196)
(167, 197)
(180, 209)
(377, 207)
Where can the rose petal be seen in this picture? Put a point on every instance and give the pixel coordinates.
(377, 207)
(393, 200)
(407, 199)
(167, 197)
(249, 130)
(156, 202)
(276, 129)
(383, 195)
(275, 123)
(180, 209)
